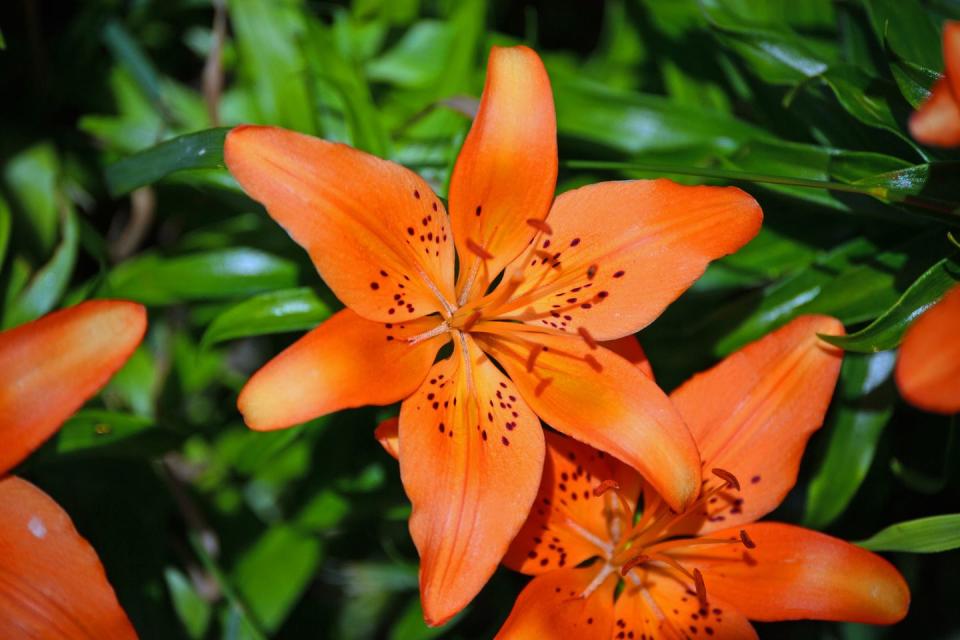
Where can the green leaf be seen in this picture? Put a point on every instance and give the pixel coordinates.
(95, 431)
(914, 81)
(127, 52)
(274, 573)
(909, 31)
(49, 283)
(869, 100)
(417, 59)
(274, 312)
(268, 33)
(887, 330)
(32, 177)
(5, 224)
(925, 535)
(194, 612)
(200, 150)
(222, 274)
(862, 410)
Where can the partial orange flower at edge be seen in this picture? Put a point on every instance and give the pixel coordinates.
(595, 264)
(710, 570)
(928, 366)
(937, 121)
(53, 584)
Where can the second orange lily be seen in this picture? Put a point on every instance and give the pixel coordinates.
(596, 264)
(711, 568)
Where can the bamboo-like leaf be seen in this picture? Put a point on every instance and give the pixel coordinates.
(925, 535)
(200, 150)
(273, 312)
(887, 330)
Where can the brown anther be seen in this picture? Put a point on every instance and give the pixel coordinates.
(532, 358)
(540, 225)
(727, 477)
(633, 562)
(594, 364)
(587, 337)
(605, 486)
(746, 540)
(701, 588)
(591, 271)
(478, 250)
(470, 321)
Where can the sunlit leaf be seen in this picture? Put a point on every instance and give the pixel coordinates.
(887, 330)
(924, 535)
(193, 611)
(864, 407)
(274, 312)
(273, 574)
(201, 150)
(49, 283)
(227, 273)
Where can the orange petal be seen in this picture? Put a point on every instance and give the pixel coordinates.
(506, 173)
(628, 348)
(373, 229)
(951, 56)
(345, 362)
(51, 366)
(794, 573)
(52, 584)
(673, 612)
(928, 369)
(471, 458)
(387, 434)
(937, 121)
(568, 524)
(622, 251)
(753, 413)
(601, 399)
(550, 606)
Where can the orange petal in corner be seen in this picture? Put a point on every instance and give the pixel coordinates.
(53, 585)
(928, 369)
(51, 366)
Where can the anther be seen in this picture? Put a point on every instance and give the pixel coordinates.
(607, 485)
(532, 358)
(478, 250)
(587, 338)
(594, 364)
(633, 562)
(727, 477)
(540, 225)
(746, 540)
(701, 588)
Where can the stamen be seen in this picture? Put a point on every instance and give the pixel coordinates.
(587, 337)
(747, 541)
(597, 581)
(540, 225)
(633, 562)
(470, 321)
(482, 253)
(701, 588)
(605, 486)
(728, 477)
(532, 358)
(426, 335)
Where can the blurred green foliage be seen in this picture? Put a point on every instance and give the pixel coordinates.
(113, 185)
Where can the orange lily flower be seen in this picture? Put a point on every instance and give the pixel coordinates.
(937, 122)
(52, 584)
(709, 569)
(928, 368)
(596, 264)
